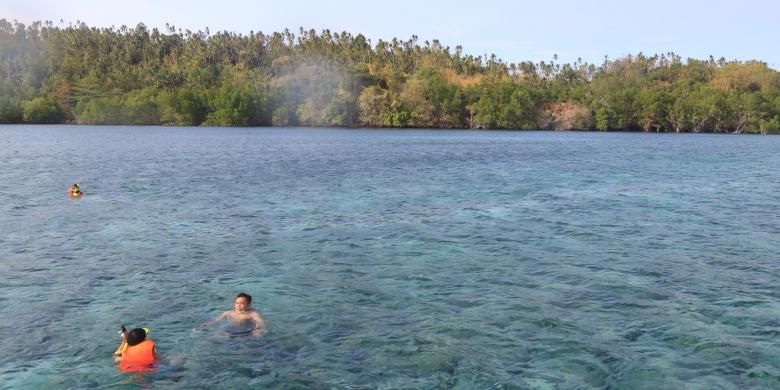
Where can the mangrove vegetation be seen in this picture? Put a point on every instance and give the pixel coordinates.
(141, 76)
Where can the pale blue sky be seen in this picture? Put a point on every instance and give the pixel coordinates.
(513, 30)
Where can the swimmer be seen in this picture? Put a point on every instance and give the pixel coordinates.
(136, 352)
(243, 318)
(75, 191)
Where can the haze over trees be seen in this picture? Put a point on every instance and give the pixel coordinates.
(87, 75)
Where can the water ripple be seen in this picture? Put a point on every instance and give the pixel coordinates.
(392, 259)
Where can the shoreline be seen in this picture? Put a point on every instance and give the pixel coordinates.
(628, 131)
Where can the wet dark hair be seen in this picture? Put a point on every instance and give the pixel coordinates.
(244, 295)
(136, 336)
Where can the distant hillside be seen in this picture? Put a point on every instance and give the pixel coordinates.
(89, 75)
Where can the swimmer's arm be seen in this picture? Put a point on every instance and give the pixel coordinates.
(259, 324)
(117, 357)
(122, 345)
(212, 322)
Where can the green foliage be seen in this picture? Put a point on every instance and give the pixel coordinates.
(183, 107)
(43, 109)
(10, 110)
(284, 108)
(340, 111)
(604, 118)
(775, 106)
(143, 76)
(141, 108)
(235, 107)
(655, 105)
(503, 105)
(397, 115)
(100, 111)
(373, 102)
(433, 101)
(771, 125)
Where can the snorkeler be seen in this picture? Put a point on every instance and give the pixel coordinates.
(243, 318)
(136, 352)
(75, 191)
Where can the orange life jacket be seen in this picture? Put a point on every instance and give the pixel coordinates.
(139, 357)
(74, 193)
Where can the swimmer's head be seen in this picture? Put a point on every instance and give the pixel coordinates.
(242, 302)
(136, 336)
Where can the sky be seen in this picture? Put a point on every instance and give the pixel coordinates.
(514, 31)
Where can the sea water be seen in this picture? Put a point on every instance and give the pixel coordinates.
(391, 258)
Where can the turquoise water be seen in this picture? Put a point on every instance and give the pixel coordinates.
(392, 259)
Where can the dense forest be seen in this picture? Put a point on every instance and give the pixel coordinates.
(87, 75)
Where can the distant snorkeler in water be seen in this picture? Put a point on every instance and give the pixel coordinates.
(136, 352)
(75, 191)
(242, 320)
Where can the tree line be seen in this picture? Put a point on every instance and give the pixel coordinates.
(88, 75)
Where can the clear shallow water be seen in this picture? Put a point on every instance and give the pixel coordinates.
(392, 259)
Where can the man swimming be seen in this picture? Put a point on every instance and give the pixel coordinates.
(243, 319)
